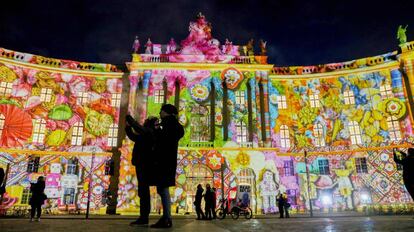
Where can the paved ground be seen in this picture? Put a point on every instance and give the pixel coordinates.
(115, 224)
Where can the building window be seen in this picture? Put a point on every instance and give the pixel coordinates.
(288, 168)
(33, 164)
(394, 128)
(323, 167)
(314, 100)
(2, 119)
(116, 100)
(39, 130)
(354, 132)
(45, 95)
(200, 124)
(159, 96)
(26, 195)
(281, 102)
(386, 91)
(5, 88)
(113, 135)
(318, 134)
(69, 196)
(83, 98)
(72, 168)
(349, 98)
(361, 165)
(291, 193)
(284, 136)
(77, 134)
(240, 100)
(246, 176)
(241, 130)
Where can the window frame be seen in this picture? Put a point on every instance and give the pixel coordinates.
(77, 134)
(6, 88)
(240, 97)
(39, 131)
(116, 100)
(314, 100)
(288, 168)
(355, 133)
(323, 165)
(349, 97)
(284, 135)
(394, 129)
(361, 165)
(386, 91)
(242, 133)
(82, 98)
(281, 102)
(318, 135)
(46, 95)
(112, 139)
(159, 96)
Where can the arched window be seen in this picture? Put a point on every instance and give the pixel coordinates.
(394, 128)
(77, 134)
(354, 132)
(241, 130)
(247, 176)
(284, 136)
(39, 130)
(72, 166)
(197, 174)
(113, 135)
(349, 98)
(2, 119)
(318, 134)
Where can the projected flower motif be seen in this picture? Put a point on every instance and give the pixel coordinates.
(232, 77)
(214, 160)
(273, 99)
(395, 107)
(199, 92)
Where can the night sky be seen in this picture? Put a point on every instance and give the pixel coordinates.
(298, 32)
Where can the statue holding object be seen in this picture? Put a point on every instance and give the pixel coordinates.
(148, 47)
(136, 45)
(263, 49)
(401, 34)
(250, 48)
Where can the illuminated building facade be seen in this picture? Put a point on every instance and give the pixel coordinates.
(246, 122)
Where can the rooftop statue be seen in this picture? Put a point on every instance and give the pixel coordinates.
(148, 47)
(250, 47)
(172, 45)
(263, 49)
(136, 45)
(401, 34)
(200, 41)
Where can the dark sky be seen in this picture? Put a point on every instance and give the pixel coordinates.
(298, 32)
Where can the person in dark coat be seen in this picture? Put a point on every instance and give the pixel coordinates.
(143, 151)
(38, 198)
(214, 202)
(2, 185)
(286, 206)
(208, 199)
(166, 150)
(407, 162)
(281, 204)
(197, 202)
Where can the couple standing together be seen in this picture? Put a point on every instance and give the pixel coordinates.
(155, 159)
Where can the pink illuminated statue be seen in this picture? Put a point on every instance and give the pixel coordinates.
(148, 47)
(199, 41)
(228, 47)
(136, 45)
(172, 45)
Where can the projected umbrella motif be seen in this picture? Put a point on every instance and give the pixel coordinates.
(17, 127)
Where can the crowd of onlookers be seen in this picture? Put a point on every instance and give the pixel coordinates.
(210, 203)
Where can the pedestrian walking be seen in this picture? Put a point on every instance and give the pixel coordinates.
(281, 205)
(142, 153)
(168, 134)
(407, 162)
(197, 202)
(208, 199)
(38, 198)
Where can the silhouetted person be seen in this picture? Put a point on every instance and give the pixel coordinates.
(407, 162)
(2, 185)
(281, 204)
(208, 199)
(38, 198)
(144, 139)
(286, 205)
(166, 150)
(197, 202)
(214, 202)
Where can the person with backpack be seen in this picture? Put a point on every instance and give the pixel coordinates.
(38, 198)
